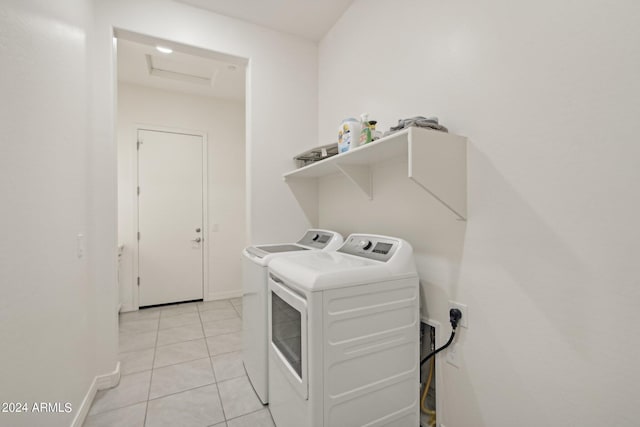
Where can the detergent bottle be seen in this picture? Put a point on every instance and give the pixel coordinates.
(348, 134)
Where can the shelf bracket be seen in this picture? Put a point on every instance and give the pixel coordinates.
(439, 166)
(360, 175)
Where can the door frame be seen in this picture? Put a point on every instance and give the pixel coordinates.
(135, 289)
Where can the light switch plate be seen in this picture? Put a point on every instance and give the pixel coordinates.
(80, 249)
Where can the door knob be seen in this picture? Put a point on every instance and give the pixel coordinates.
(197, 240)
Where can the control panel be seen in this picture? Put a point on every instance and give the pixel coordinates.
(370, 246)
(316, 239)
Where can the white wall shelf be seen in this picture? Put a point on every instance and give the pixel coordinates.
(437, 162)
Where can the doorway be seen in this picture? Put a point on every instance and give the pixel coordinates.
(194, 92)
(171, 201)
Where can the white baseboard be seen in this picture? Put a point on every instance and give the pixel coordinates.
(111, 380)
(224, 295)
(101, 382)
(127, 308)
(83, 411)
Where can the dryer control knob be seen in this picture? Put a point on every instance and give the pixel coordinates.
(365, 244)
(315, 237)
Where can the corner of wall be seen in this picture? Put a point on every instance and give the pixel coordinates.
(100, 382)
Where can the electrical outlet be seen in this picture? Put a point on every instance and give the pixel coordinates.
(464, 322)
(453, 355)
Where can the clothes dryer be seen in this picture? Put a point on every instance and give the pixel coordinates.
(344, 336)
(255, 261)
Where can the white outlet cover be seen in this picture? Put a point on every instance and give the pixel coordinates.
(464, 322)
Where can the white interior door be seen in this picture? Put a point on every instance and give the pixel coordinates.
(170, 217)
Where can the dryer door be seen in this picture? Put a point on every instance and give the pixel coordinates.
(288, 333)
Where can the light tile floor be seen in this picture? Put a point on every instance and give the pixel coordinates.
(181, 365)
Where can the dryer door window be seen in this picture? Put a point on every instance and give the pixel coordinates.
(288, 333)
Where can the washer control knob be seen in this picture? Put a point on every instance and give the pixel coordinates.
(315, 237)
(365, 244)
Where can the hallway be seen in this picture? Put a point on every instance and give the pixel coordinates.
(181, 365)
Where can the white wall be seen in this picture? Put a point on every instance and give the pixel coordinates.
(547, 93)
(58, 327)
(223, 122)
(281, 96)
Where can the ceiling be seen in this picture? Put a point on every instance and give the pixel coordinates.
(310, 19)
(196, 71)
(185, 71)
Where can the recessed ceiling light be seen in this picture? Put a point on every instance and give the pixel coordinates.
(164, 49)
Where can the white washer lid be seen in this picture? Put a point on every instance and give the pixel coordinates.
(315, 271)
(313, 239)
(264, 258)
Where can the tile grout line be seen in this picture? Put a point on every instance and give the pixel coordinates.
(129, 374)
(181, 363)
(153, 361)
(177, 342)
(189, 361)
(156, 346)
(117, 409)
(180, 392)
(206, 344)
(264, 408)
(224, 415)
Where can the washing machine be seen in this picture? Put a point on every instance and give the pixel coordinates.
(255, 261)
(344, 336)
